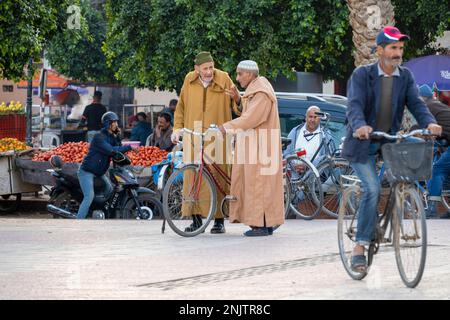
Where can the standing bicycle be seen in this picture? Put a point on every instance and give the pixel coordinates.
(377, 94)
(403, 221)
(192, 189)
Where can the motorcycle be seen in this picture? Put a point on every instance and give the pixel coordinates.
(121, 197)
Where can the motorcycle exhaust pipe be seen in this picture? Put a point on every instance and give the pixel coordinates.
(61, 212)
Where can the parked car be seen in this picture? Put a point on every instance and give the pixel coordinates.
(292, 109)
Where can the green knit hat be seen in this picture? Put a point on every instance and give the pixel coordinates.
(203, 57)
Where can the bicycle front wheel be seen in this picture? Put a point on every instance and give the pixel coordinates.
(306, 196)
(347, 223)
(189, 191)
(410, 236)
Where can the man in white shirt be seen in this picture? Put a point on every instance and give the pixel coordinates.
(307, 136)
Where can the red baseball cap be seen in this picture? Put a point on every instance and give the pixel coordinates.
(390, 34)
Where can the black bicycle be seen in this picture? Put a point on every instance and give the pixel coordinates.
(403, 222)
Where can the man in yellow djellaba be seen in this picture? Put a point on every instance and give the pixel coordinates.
(205, 99)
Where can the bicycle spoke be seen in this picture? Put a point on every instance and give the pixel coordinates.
(306, 196)
(189, 193)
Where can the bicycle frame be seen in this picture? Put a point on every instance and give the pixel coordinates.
(203, 165)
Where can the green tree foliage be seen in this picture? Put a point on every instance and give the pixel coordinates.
(77, 52)
(25, 28)
(152, 43)
(424, 21)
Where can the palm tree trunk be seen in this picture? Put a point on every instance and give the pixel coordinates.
(367, 17)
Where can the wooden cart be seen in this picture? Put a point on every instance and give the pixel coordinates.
(11, 184)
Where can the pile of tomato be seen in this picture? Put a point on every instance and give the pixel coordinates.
(69, 152)
(75, 152)
(146, 156)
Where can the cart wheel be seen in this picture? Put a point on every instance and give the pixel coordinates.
(10, 205)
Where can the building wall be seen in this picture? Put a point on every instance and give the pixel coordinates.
(147, 97)
(18, 94)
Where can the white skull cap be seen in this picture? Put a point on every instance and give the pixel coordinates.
(248, 65)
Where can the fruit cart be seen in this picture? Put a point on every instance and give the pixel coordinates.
(11, 184)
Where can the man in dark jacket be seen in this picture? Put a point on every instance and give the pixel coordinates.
(161, 137)
(96, 162)
(441, 169)
(141, 130)
(377, 94)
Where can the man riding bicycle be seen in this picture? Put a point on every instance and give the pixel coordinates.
(377, 94)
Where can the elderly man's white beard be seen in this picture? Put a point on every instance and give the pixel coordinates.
(392, 63)
(205, 83)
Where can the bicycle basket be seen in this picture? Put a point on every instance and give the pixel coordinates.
(408, 161)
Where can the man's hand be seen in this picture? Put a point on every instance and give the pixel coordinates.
(435, 129)
(157, 132)
(234, 94)
(364, 132)
(175, 136)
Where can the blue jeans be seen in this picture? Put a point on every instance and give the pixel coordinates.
(441, 170)
(87, 186)
(367, 212)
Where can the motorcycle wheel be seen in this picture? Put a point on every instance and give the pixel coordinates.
(64, 201)
(129, 210)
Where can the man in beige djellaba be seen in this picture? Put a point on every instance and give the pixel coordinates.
(257, 186)
(203, 101)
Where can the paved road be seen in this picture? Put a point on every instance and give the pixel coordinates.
(67, 259)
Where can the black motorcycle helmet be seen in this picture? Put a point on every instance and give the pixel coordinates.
(108, 117)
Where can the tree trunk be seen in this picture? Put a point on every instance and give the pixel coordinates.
(367, 17)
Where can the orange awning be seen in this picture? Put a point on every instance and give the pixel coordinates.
(54, 80)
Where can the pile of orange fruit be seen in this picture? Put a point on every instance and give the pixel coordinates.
(8, 144)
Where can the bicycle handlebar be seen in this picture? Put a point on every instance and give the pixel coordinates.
(323, 115)
(212, 127)
(381, 134)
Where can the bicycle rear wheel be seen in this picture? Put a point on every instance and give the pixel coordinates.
(446, 199)
(347, 223)
(330, 172)
(182, 199)
(306, 196)
(410, 236)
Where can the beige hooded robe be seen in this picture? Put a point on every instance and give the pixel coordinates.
(258, 186)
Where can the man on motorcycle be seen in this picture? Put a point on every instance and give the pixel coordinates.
(96, 162)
